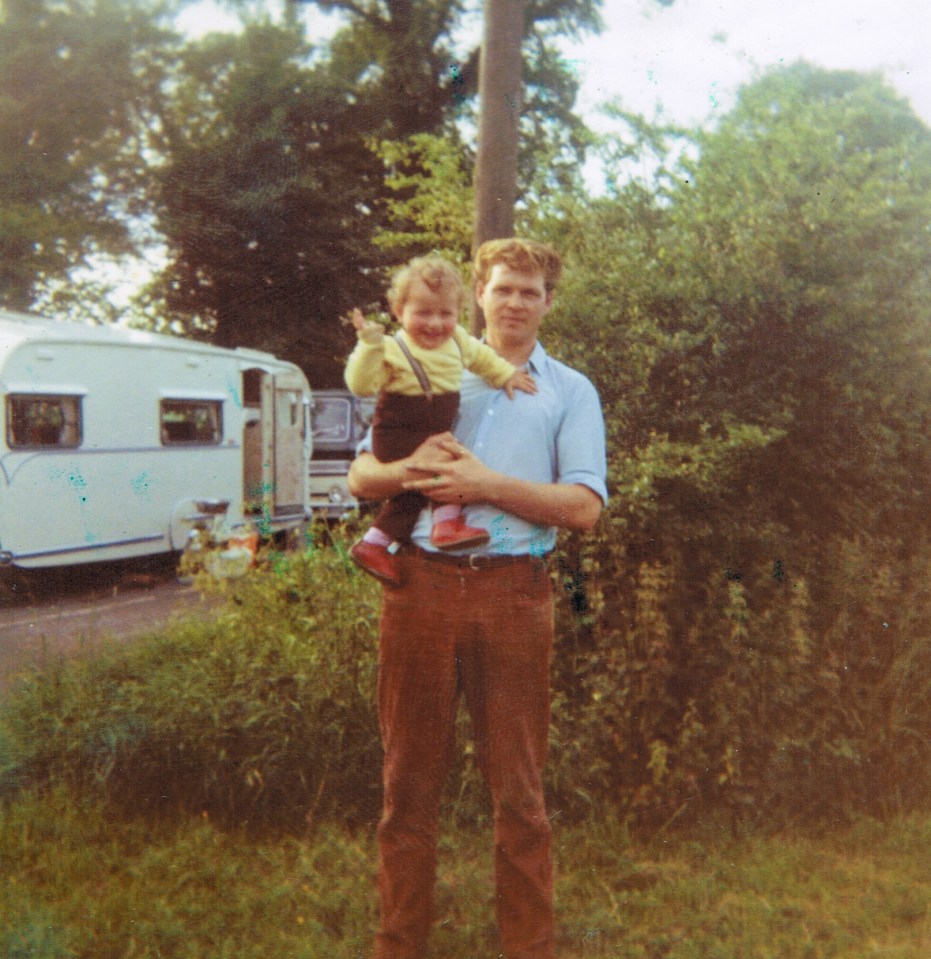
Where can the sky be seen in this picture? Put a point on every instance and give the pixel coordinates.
(689, 59)
(685, 63)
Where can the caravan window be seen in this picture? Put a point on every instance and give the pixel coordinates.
(191, 421)
(35, 420)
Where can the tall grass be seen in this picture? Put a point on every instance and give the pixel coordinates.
(211, 791)
(263, 715)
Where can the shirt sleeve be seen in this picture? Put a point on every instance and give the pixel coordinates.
(580, 442)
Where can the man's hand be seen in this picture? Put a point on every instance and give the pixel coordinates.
(445, 471)
(371, 479)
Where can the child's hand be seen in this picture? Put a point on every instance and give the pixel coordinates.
(522, 381)
(368, 330)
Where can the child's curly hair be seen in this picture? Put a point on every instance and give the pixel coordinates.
(434, 272)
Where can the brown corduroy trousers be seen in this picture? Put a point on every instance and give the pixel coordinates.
(487, 635)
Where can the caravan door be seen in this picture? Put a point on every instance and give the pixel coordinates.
(285, 398)
(276, 445)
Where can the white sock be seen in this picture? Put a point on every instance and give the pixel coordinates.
(378, 537)
(446, 511)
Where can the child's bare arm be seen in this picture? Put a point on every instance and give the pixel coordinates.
(521, 380)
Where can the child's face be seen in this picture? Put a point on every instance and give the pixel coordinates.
(429, 318)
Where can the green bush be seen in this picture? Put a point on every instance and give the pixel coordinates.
(756, 637)
(677, 693)
(680, 694)
(263, 714)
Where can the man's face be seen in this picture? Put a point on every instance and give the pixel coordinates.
(514, 304)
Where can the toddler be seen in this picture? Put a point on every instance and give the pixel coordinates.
(416, 375)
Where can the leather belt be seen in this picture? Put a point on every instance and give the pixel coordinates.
(476, 560)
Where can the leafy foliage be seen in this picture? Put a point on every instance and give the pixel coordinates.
(262, 716)
(247, 154)
(431, 202)
(759, 334)
(265, 191)
(71, 75)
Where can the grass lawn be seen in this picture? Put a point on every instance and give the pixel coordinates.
(78, 883)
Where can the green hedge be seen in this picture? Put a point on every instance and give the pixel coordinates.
(759, 701)
(263, 714)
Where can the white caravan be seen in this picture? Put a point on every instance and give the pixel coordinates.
(117, 443)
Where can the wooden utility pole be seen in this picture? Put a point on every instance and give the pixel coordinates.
(499, 91)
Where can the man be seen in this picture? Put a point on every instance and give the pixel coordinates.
(481, 625)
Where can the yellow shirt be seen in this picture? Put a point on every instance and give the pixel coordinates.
(377, 363)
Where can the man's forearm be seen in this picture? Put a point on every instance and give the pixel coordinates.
(465, 480)
(565, 505)
(370, 479)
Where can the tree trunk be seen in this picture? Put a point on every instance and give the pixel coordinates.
(499, 88)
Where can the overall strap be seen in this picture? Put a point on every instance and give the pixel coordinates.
(417, 367)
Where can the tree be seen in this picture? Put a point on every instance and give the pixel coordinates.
(272, 190)
(807, 242)
(264, 193)
(761, 337)
(70, 76)
(499, 120)
(252, 155)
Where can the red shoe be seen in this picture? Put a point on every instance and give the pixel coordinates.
(454, 534)
(376, 561)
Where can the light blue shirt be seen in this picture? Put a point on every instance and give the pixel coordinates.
(556, 435)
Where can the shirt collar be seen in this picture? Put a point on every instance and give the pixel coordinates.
(538, 359)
